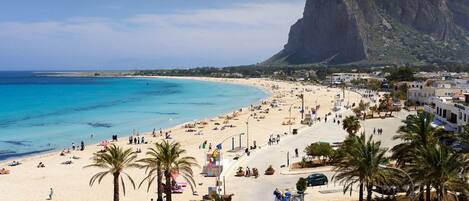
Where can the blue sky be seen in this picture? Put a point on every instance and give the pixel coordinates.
(137, 34)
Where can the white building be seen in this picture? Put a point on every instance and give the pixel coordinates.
(338, 78)
(452, 114)
(421, 92)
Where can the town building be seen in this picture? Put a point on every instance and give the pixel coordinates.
(450, 113)
(340, 78)
(420, 92)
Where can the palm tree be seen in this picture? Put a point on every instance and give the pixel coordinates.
(445, 169)
(417, 131)
(387, 104)
(464, 135)
(415, 135)
(351, 124)
(173, 161)
(360, 161)
(374, 109)
(362, 107)
(115, 160)
(152, 166)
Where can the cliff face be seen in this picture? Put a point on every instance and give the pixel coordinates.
(378, 31)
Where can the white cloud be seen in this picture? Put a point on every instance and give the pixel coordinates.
(242, 34)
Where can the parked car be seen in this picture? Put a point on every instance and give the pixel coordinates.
(316, 179)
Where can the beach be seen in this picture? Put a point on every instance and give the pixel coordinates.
(70, 182)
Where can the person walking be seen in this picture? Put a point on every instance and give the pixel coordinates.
(296, 152)
(51, 193)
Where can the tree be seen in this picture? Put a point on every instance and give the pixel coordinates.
(173, 162)
(444, 169)
(415, 135)
(402, 74)
(361, 108)
(351, 124)
(360, 161)
(152, 166)
(387, 104)
(319, 150)
(115, 160)
(301, 185)
(463, 136)
(374, 109)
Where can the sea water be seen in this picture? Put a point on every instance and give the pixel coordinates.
(43, 113)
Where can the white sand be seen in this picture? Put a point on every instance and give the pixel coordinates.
(70, 182)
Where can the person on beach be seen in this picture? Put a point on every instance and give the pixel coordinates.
(51, 193)
(130, 140)
(82, 145)
(73, 146)
(296, 152)
(143, 140)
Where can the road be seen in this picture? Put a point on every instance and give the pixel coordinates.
(276, 155)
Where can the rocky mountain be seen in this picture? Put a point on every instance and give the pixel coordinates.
(379, 32)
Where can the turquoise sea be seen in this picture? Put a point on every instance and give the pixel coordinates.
(42, 113)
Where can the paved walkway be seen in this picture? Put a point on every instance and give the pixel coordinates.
(276, 155)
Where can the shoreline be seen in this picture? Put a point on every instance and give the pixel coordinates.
(46, 153)
(266, 119)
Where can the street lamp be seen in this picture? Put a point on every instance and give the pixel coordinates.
(289, 120)
(302, 105)
(411, 188)
(247, 131)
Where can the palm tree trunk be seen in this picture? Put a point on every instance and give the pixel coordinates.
(116, 186)
(168, 185)
(369, 192)
(428, 193)
(159, 181)
(360, 193)
(421, 192)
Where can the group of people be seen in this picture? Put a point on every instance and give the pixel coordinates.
(273, 139)
(379, 131)
(74, 147)
(204, 144)
(114, 138)
(136, 140)
(41, 165)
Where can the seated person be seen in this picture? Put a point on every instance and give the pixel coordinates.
(41, 165)
(4, 171)
(14, 163)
